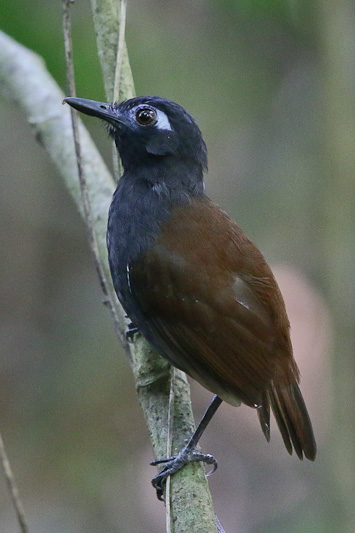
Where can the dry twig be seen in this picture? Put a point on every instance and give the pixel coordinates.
(13, 488)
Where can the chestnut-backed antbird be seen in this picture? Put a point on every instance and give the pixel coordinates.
(190, 280)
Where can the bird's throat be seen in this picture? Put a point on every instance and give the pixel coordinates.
(142, 202)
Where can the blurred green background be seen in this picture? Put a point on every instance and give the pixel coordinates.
(272, 85)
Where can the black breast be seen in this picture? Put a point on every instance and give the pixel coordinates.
(136, 213)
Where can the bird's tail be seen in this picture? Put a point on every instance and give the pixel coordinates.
(292, 418)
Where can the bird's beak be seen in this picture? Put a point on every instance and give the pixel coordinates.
(95, 109)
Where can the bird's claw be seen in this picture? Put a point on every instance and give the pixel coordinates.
(175, 463)
(130, 332)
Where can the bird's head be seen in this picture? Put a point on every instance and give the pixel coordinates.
(149, 129)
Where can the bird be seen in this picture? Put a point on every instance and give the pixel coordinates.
(191, 281)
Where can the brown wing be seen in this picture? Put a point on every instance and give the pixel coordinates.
(213, 307)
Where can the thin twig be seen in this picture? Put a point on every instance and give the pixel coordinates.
(13, 488)
(83, 185)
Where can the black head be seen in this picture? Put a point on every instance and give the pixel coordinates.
(147, 129)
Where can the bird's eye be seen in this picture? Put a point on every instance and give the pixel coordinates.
(146, 116)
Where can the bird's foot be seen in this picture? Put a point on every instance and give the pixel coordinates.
(175, 463)
(130, 332)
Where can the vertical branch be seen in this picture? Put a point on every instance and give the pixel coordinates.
(106, 18)
(117, 167)
(191, 507)
(113, 56)
(120, 51)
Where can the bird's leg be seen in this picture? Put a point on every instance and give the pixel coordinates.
(188, 453)
(130, 332)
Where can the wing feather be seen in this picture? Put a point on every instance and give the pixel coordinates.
(207, 316)
(212, 307)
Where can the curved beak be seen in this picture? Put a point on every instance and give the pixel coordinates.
(95, 109)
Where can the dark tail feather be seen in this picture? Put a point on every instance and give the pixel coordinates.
(292, 419)
(264, 415)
